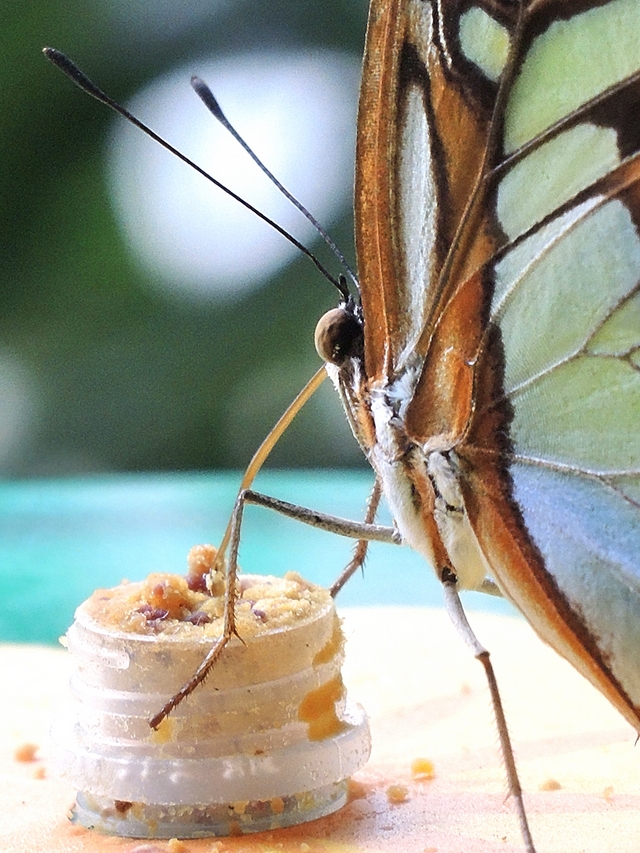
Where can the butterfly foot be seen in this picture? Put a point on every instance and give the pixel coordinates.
(448, 576)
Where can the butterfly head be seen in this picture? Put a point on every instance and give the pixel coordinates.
(339, 334)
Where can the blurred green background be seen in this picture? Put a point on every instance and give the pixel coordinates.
(100, 369)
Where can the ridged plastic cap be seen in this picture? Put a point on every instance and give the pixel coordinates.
(269, 740)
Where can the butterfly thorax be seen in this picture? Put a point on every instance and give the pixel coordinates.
(420, 481)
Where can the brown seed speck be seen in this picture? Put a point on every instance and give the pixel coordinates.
(153, 614)
(198, 617)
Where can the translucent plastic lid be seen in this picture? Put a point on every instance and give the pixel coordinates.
(259, 752)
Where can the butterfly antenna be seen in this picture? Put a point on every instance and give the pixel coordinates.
(211, 103)
(80, 79)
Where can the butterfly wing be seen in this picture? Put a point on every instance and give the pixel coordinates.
(498, 218)
(422, 132)
(557, 511)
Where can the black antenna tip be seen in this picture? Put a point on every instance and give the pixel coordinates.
(61, 61)
(207, 97)
(55, 56)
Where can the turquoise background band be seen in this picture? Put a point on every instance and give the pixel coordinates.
(61, 539)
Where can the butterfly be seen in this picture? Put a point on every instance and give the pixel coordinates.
(496, 385)
(489, 362)
(490, 367)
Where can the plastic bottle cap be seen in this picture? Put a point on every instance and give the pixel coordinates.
(269, 740)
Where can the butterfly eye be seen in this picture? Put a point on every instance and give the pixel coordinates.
(338, 336)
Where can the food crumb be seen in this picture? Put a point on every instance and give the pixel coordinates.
(40, 772)
(164, 731)
(608, 792)
(171, 605)
(200, 561)
(550, 785)
(176, 846)
(423, 770)
(397, 794)
(356, 790)
(277, 805)
(305, 848)
(26, 752)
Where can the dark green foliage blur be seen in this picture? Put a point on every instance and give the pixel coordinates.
(126, 379)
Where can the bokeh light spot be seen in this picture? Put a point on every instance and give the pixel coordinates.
(296, 110)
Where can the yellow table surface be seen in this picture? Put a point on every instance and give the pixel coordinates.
(426, 699)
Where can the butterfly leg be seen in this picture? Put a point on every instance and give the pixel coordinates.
(457, 615)
(362, 545)
(229, 626)
(342, 527)
(362, 531)
(324, 521)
